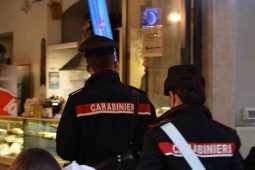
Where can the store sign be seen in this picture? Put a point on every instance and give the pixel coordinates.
(8, 90)
(151, 16)
(152, 41)
(8, 104)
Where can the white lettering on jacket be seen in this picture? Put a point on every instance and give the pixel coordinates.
(111, 108)
(200, 149)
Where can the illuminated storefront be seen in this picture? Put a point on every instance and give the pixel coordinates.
(160, 34)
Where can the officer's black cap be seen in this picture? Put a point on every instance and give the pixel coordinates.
(182, 76)
(96, 44)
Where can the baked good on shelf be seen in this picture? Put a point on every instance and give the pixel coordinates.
(17, 131)
(15, 149)
(11, 139)
(48, 135)
(19, 141)
(4, 149)
(3, 131)
(2, 137)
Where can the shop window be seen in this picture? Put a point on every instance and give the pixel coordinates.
(161, 33)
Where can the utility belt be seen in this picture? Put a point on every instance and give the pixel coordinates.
(127, 160)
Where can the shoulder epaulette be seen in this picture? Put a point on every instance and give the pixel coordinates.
(73, 93)
(158, 124)
(139, 90)
(225, 126)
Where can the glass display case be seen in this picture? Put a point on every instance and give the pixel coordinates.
(11, 139)
(18, 133)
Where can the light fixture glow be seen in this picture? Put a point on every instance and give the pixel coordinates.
(174, 17)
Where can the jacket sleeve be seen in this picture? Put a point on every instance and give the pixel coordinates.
(68, 133)
(153, 118)
(238, 162)
(151, 157)
(250, 159)
(141, 125)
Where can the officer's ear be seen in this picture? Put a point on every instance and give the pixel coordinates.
(116, 66)
(90, 70)
(87, 68)
(172, 99)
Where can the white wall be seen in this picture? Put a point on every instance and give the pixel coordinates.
(245, 70)
(69, 81)
(228, 57)
(54, 26)
(223, 62)
(245, 59)
(28, 29)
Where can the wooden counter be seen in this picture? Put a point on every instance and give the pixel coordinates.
(4, 160)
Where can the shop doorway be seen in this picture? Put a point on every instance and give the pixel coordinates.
(6, 40)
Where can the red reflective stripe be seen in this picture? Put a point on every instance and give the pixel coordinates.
(200, 149)
(144, 108)
(165, 147)
(83, 108)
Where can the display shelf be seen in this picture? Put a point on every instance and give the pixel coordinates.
(37, 132)
(30, 119)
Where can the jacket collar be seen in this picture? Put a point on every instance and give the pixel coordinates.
(185, 108)
(103, 78)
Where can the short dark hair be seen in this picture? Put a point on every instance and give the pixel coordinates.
(101, 59)
(35, 158)
(188, 96)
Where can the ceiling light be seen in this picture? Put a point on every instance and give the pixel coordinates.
(174, 17)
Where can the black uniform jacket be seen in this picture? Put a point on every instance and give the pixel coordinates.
(97, 119)
(216, 145)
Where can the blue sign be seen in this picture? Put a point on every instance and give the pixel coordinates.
(150, 16)
(100, 18)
